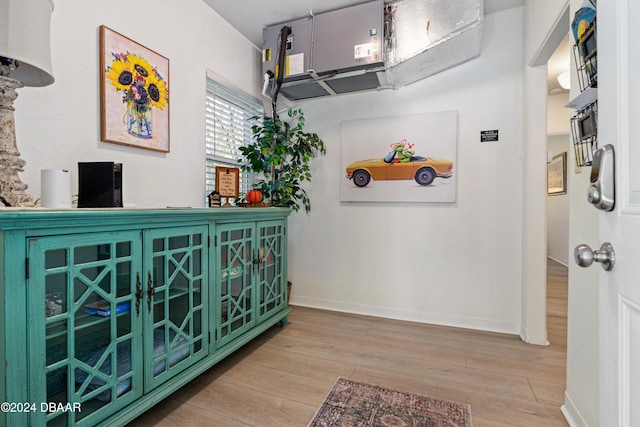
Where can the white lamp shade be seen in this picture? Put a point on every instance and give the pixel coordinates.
(24, 37)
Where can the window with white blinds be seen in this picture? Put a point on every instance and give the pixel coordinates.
(227, 128)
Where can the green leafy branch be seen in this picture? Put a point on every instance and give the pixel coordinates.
(281, 152)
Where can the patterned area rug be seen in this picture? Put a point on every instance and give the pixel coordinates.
(351, 404)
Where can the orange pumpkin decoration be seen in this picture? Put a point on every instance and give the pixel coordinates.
(253, 196)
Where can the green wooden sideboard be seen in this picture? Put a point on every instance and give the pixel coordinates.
(108, 311)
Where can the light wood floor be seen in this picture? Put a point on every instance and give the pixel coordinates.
(282, 377)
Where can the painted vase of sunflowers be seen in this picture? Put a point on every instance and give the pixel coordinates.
(143, 88)
(138, 119)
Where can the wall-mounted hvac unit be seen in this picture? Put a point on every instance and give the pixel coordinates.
(345, 42)
(373, 45)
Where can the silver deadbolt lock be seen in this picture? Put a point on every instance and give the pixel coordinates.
(602, 188)
(585, 256)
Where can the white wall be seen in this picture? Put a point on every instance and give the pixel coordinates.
(59, 125)
(558, 115)
(542, 36)
(541, 17)
(558, 207)
(456, 264)
(582, 398)
(582, 318)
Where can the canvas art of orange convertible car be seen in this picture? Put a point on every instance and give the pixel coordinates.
(400, 164)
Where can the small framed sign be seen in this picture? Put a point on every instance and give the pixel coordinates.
(228, 182)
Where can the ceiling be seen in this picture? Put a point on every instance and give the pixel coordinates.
(249, 17)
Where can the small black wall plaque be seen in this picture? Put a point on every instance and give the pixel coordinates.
(489, 135)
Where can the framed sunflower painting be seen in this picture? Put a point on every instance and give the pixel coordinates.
(134, 93)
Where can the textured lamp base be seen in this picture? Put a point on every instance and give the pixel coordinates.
(12, 190)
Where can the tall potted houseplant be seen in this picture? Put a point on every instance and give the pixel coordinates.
(280, 153)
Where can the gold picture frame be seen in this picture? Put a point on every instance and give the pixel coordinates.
(134, 93)
(557, 175)
(228, 182)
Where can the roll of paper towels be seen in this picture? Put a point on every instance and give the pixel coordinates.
(56, 188)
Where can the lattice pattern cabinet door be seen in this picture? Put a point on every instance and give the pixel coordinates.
(176, 287)
(235, 263)
(272, 268)
(85, 332)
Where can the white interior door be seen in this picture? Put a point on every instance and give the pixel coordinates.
(619, 125)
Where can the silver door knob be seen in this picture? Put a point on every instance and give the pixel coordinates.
(585, 256)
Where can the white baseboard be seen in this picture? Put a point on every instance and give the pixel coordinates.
(557, 259)
(409, 315)
(524, 336)
(571, 413)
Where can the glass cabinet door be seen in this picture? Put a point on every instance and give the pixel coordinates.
(85, 336)
(271, 274)
(175, 283)
(234, 270)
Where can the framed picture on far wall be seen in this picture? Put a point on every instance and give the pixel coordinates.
(134, 93)
(557, 175)
(408, 158)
